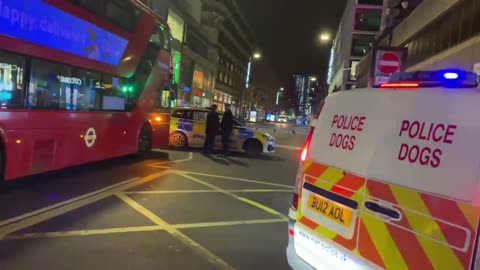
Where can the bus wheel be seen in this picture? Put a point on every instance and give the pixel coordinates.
(145, 140)
(253, 148)
(178, 140)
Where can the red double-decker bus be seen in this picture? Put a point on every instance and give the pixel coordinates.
(78, 80)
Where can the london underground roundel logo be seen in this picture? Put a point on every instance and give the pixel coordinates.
(90, 137)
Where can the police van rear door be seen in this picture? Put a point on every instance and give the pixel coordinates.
(392, 179)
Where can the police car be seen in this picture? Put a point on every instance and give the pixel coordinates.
(389, 178)
(187, 128)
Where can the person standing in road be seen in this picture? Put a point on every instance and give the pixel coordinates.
(227, 129)
(212, 129)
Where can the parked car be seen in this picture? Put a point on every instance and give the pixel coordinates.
(187, 129)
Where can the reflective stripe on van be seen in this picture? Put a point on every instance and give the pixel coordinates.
(391, 226)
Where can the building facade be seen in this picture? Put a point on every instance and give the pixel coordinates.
(301, 90)
(362, 22)
(438, 35)
(211, 50)
(194, 53)
(234, 50)
(444, 36)
(304, 87)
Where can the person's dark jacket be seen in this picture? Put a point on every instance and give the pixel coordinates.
(213, 123)
(227, 122)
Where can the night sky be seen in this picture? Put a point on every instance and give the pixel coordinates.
(287, 32)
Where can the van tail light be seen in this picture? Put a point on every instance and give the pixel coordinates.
(303, 158)
(304, 155)
(295, 200)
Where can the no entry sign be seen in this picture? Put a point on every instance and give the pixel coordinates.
(386, 61)
(389, 62)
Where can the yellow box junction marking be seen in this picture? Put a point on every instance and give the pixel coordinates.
(200, 250)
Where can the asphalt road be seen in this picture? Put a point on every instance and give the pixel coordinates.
(171, 210)
(274, 128)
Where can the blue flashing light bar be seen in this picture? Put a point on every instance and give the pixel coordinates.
(439, 78)
(38, 22)
(451, 75)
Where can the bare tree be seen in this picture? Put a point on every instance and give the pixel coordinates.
(260, 98)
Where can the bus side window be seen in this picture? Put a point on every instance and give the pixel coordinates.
(161, 38)
(51, 85)
(120, 12)
(88, 95)
(118, 94)
(123, 13)
(12, 68)
(168, 40)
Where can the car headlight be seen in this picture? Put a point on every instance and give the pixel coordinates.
(268, 137)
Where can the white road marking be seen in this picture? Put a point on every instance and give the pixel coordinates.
(28, 219)
(51, 207)
(228, 223)
(232, 178)
(288, 147)
(202, 251)
(233, 195)
(208, 191)
(83, 232)
(17, 223)
(139, 229)
(159, 164)
(35, 217)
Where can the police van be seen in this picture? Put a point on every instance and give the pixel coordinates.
(187, 128)
(389, 178)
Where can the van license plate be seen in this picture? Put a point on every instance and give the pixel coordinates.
(330, 209)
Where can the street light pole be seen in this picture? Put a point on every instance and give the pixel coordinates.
(278, 95)
(244, 104)
(277, 102)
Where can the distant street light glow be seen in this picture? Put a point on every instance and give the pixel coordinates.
(257, 55)
(313, 79)
(324, 37)
(281, 89)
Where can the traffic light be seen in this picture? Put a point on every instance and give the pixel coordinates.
(127, 88)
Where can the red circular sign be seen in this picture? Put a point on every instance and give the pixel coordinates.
(389, 62)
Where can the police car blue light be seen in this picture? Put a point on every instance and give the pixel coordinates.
(439, 78)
